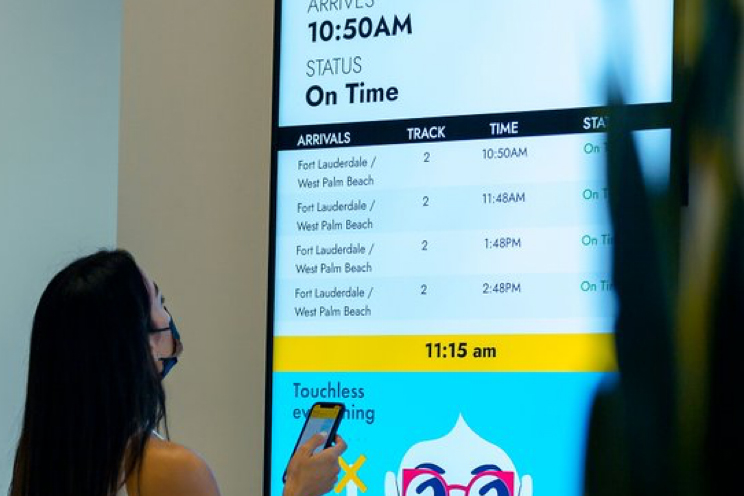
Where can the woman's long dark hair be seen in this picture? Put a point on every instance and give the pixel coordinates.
(94, 394)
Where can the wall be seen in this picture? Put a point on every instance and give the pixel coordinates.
(59, 125)
(193, 208)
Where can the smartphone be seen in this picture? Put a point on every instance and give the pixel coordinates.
(323, 417)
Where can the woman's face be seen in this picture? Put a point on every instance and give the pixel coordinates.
(162, 343)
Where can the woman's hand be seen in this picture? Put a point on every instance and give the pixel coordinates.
(314, 474)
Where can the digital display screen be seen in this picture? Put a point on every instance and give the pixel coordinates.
(441, 243)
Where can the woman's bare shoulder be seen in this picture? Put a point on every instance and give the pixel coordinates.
(169, 469)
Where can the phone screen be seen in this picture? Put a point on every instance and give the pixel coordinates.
(323, 417)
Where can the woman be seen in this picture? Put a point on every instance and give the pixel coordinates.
(102, 341)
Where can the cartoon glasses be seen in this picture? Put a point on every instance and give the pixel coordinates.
(485, 483)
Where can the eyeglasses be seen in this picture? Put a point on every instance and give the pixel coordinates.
(497, 482)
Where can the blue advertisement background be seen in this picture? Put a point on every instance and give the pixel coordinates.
(538, 419)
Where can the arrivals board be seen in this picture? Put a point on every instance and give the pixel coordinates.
(441, 244)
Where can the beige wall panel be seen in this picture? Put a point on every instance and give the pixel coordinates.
(194, 205)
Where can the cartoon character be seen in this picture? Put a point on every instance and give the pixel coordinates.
(458, 464)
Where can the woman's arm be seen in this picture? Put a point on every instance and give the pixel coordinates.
(169, 469)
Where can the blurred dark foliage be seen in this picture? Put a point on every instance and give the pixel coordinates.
(670, 423)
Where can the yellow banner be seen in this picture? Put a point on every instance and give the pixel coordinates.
(470, 353)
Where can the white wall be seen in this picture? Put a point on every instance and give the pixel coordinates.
(193, 191)
(59, 121)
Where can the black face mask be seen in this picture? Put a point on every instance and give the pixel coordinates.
(171, 361)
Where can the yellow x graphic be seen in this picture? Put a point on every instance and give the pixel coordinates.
(351, 474)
